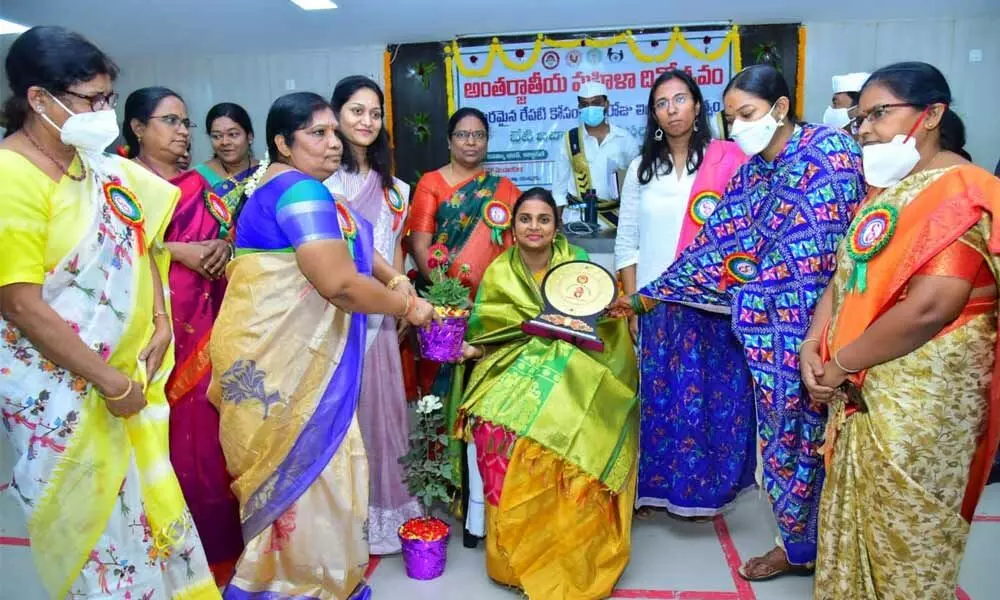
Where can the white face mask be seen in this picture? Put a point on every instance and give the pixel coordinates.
(888, 163)
(753, 136)
(90, 132)
(836, 117)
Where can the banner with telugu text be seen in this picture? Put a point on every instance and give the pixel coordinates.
(528, 91)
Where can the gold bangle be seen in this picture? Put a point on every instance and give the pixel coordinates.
(395, 281)
(806, 341)
(160, 315)
(125, 394)
(836, 361)
(406, 306)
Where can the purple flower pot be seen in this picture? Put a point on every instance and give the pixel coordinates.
(425, 560)
(442, 342)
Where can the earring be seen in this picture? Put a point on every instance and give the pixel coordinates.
(696, 127)
(658, 135)
(39, 109)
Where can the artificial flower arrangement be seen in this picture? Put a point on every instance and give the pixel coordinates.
(430, 478)
(441, 341)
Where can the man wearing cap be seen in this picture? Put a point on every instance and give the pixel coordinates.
(846, 92)
(590, 158)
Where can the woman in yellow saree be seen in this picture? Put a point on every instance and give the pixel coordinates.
(286, 353)
(554, 428)
(85, 347)
(903, 345)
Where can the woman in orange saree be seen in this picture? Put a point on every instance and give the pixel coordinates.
(903, 346)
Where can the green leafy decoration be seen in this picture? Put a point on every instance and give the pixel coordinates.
(423, 72)
(420, 126)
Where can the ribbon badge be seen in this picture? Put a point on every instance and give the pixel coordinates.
(497, 216)
(397, 206)
(703, 205)
(126, 207)
(219, 210)
(868, 235)
(348, 228)
(738, 268)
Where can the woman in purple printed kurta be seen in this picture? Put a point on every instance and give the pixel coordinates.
(765, 256)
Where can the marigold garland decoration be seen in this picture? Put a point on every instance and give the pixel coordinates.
(387, 117)
(800, 74)
(868, 235)
(497, 52)
(449, 79)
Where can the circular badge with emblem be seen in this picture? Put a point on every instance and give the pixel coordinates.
(871, 230)
(703, 205)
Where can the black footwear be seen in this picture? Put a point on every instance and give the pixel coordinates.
(469, 540)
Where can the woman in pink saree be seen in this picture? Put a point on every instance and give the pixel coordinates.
(157, 131)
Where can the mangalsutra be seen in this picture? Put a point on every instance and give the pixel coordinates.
(65, 170)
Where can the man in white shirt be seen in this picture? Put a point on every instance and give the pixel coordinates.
(844, 103)
(589, 161)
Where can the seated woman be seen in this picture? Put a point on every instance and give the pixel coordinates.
(555, 427)
(286, 353)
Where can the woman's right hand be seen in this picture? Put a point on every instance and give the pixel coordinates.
(131, 404)
(191, 255)
(421, 313)
(470, 352)
(811, 369)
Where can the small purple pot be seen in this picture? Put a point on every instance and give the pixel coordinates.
(442, 342)
(425, 560)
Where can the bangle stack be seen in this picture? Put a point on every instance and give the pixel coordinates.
(407, 304)
(395, 281)
(124, 394)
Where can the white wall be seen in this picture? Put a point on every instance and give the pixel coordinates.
(251, 80)
(836, 48)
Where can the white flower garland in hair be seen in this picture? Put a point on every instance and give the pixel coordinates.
(254, 179)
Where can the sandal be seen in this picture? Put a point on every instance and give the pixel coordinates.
(771, 565)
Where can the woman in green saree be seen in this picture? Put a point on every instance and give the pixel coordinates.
(552, 430)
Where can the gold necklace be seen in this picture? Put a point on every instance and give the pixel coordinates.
(65, 170)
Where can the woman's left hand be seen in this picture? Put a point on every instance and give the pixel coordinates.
(406, 288)
(217, 255)
(154, 352)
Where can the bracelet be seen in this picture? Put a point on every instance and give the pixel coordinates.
(836, 361)
(395, 281)
(806, 341)
(125, 394)
(407, 304)
(160, 315)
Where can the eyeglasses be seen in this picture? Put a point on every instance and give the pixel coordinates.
(175, 121)
(678, 100)
(876, 114)
(98, 101)
(467, 135)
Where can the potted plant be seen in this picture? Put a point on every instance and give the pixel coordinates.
(430, 479)
(441, 341)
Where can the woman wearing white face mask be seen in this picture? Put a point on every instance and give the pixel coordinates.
(765, 255)
(903, 345)
(85, 344)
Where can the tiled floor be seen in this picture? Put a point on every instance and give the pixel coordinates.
(670, 560)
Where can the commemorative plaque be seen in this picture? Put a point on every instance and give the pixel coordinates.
(575, 294)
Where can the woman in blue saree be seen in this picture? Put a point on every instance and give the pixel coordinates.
(287, 352)
(764, 257)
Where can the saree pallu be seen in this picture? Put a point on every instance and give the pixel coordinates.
(765, 256)
(697, 431)
(382, 411)
(194, 423)
(286, 372)
(104, 511)
(555, 431)
(910, 461)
